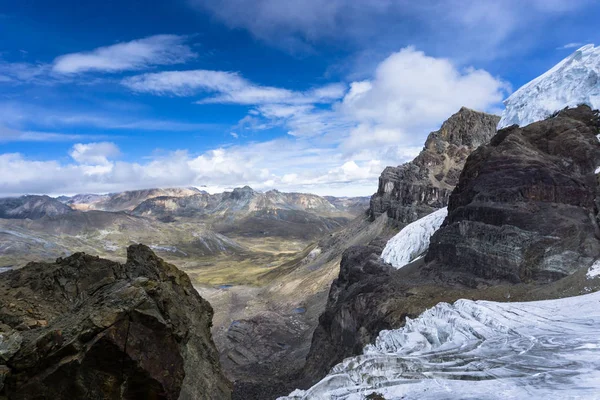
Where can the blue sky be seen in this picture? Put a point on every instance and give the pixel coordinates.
(305, 96)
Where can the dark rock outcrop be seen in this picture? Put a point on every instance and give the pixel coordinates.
(32, 207)
(88, 328)
(526, 205)
(522, 225)
(415, 189)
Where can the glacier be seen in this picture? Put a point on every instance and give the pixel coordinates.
(413, 240)
(573, 81)
(478, 350)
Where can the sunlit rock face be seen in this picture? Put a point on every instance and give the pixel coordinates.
(478, 350)
(415, 189)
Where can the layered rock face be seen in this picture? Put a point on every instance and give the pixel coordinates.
(526, 205)
(88, 328)
(415, 189)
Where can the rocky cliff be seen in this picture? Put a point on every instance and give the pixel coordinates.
(88, 328)
(413, 190)
(526, 205)
(522, 225)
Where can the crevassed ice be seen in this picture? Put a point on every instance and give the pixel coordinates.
(413, 240)
(478, 350)
(573, 81)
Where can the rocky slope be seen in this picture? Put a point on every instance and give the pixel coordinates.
(32, 207)
(573, 81)
(522, 225)
(90, 328)
(246, 212)
(413, 190)
(240, 201)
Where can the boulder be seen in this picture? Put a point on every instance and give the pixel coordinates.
(88, 328)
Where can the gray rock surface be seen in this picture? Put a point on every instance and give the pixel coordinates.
(32, 207)
(526, 206)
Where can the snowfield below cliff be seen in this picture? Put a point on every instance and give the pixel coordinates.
(413, 240)
(478, 350)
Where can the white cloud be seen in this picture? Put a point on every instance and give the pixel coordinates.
(338, 147)
(15, 135)
(471, 29)
(17, 114)
(94, 153)
(133, 55)
(411, 94)
(573, 45)
(226, 87)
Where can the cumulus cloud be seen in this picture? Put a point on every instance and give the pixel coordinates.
(94, 153)
(412, 93)
(133, 55)
(226, 87)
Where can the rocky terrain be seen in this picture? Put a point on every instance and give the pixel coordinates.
(84, 327)
(264, 260)
(522, 225)
(32, 207)
(413, 190)
(526, 206)
(122, 201)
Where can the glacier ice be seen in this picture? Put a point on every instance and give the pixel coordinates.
(594, 270)
(478, 350)
(573, 81)
(412, 241)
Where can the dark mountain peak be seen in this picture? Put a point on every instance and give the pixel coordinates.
(532, 192)
(243, 193)
(465, 128)
(415, 189)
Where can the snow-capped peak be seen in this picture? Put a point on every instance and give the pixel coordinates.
(573, 81)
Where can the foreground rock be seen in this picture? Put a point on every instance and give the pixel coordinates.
(88, 328)
(415, 189)
(522, 225)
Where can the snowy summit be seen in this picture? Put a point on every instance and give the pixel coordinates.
(573, 81)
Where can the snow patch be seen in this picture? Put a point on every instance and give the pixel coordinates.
(594, 270)
(413, 240)
(573, 81)
(478, 350)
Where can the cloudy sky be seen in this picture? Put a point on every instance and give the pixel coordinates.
(313, 96)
